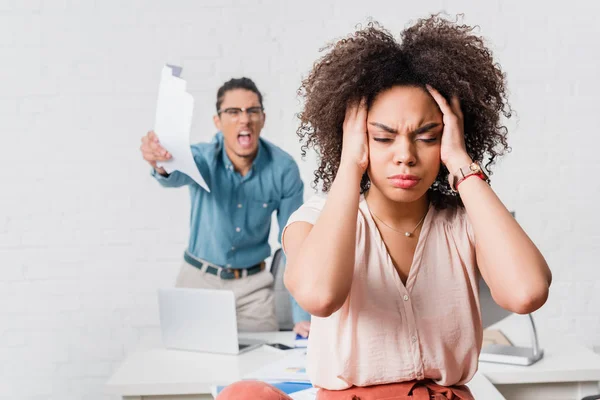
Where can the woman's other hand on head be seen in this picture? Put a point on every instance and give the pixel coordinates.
(453, 150)
(355, 146)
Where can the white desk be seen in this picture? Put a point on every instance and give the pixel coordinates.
(567, 371)
(153, 372)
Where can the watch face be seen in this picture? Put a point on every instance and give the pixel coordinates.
(475, 167)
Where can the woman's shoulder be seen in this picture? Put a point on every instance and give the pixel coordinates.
(454, 220)
(310, 210)
(316, 201)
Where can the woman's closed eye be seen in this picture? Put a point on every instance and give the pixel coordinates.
(382, 139)
(420, 139)
(427, 139)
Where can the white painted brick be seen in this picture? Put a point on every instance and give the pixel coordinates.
(84, 370)
(101, 301)
(145, 318)
(37, 321)
(20, 302)
(13, 339)
(31, 370)
(27, 7)
(86, 349)
(11, 272)
(24, 389)
(7, 5)
(84, 386)
(96, 319)
(8, 107)
(40, 271)
(36, 353)
(54, 5)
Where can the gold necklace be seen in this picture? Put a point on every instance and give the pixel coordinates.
(407, 234)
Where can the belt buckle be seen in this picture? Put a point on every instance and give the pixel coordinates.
(232, 271)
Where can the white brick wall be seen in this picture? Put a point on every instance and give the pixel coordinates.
(86, 236)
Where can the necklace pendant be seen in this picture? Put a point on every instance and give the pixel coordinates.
(407, 234)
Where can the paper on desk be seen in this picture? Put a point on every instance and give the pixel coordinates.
(308, 394)
(291, 368)
(174, 110)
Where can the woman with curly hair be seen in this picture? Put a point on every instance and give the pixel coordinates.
(387, 259)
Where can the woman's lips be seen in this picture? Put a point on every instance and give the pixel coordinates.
(404, 181)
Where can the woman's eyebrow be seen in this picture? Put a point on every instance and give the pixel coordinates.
(384, 127)
(417, 131)
(426, 128)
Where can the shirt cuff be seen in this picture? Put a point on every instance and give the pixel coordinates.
(159, 176)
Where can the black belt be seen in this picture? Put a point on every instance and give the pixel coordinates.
(223, 273)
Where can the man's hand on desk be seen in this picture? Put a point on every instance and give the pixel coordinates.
(302, 328)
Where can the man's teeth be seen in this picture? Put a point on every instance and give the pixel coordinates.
(244, 133)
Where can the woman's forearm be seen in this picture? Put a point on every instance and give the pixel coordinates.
(319, 274)
(510, 263)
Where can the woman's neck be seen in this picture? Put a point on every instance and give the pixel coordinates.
(395, 213)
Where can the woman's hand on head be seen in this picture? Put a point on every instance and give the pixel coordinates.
(355, 145)
(453, 150)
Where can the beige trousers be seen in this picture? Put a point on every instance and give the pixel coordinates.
(254, 298)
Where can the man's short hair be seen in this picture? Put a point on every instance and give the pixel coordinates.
(237, 83)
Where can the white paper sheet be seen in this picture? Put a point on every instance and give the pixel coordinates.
(174, 110)
(291, 368)
(308, 394)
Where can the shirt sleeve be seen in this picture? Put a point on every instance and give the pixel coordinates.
(174, 179)
(308, 212)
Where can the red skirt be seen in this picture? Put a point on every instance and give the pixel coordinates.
(413, 390)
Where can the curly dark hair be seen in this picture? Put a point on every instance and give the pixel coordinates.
(434, 51)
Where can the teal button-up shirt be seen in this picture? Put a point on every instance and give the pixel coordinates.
(230, 225)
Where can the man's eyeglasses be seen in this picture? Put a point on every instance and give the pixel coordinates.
(254, 113)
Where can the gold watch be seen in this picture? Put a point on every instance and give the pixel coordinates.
(464, 172)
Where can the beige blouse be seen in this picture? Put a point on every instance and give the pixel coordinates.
(388, 332)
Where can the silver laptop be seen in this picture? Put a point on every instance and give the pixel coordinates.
(201, 320)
